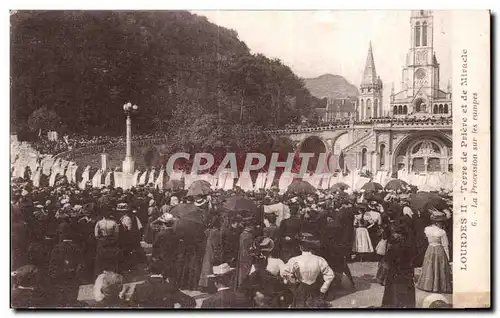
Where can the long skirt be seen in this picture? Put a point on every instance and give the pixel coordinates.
(108, 255)
(362, 242)
(382, 272)
(190, 257)
(305, 296)
(399, 291)
(436, 271)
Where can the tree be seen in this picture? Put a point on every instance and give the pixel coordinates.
(43, 120)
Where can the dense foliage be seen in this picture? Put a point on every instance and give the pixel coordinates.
(191, 78)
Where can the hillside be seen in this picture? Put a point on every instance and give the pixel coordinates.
(177, 66)
(331, 86)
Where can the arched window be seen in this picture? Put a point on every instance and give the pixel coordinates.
(368, 108)
(382, 155)
(445, 110)
(375, 108)
(362, 109)
(450, 165)
(433, 164)
(420, 105)
(424, 34)
(395, 110)
(363, 157)
(405, 109)
(435, 109)
(417, 34)
(400, 109)
(440, 108)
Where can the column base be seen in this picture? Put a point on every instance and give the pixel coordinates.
(124, 180)
(128, 166)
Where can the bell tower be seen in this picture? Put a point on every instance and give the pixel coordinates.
(422, 68)
(370, 98)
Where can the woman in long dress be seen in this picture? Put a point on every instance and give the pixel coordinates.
(399, 291)
(362, 243)
(436, 270)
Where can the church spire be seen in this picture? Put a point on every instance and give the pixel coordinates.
(369, 74)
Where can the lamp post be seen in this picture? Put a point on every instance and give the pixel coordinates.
(128, 163)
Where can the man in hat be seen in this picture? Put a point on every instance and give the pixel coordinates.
(225, 297)
(165, 245)
(131, 237)
(159, 292)
(244, 263)
(264, 285)
(65, 268)
(310, 267)
(288, 234)
(231, 240)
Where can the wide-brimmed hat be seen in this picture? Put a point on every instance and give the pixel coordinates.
(309, 239)
(266, 245)
(438, 216)
(200, 201)
(220, 270)
(122, 207)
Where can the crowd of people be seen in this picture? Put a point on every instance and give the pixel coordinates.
(69, 142)
(246, 249)
(409, 119)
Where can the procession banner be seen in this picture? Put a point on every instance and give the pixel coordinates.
(470, 53)
(260, 183)
(151, 178)
(142, 179)
(245, 182)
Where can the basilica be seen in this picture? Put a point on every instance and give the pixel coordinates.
(408, 134)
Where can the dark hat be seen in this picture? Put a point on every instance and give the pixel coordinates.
(266, 245)
(438, 216)
(309, 239)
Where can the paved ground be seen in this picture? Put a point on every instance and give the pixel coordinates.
(367, 292)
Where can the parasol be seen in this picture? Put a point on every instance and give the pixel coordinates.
(199, 187)
(395, 185)
(339, 187)
(301, 187)
(239, 203)
(425, 200)
(372, 186)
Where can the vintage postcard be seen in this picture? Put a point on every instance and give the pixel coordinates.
(250, 159)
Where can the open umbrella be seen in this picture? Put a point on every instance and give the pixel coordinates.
(425, 200)
(339, 186)
(395, 184)
(372, 186)
(199, 187)
(301, 187)
(239, 203)
(190, 226)
(189, 212)
(174, 185)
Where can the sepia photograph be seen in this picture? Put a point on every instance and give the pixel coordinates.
(233, 159)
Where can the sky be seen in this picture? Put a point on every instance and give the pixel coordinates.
(313, 43)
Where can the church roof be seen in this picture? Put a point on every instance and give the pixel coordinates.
(369, 74)
(341, 105)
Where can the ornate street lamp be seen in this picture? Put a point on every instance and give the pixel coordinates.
(128, 163)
